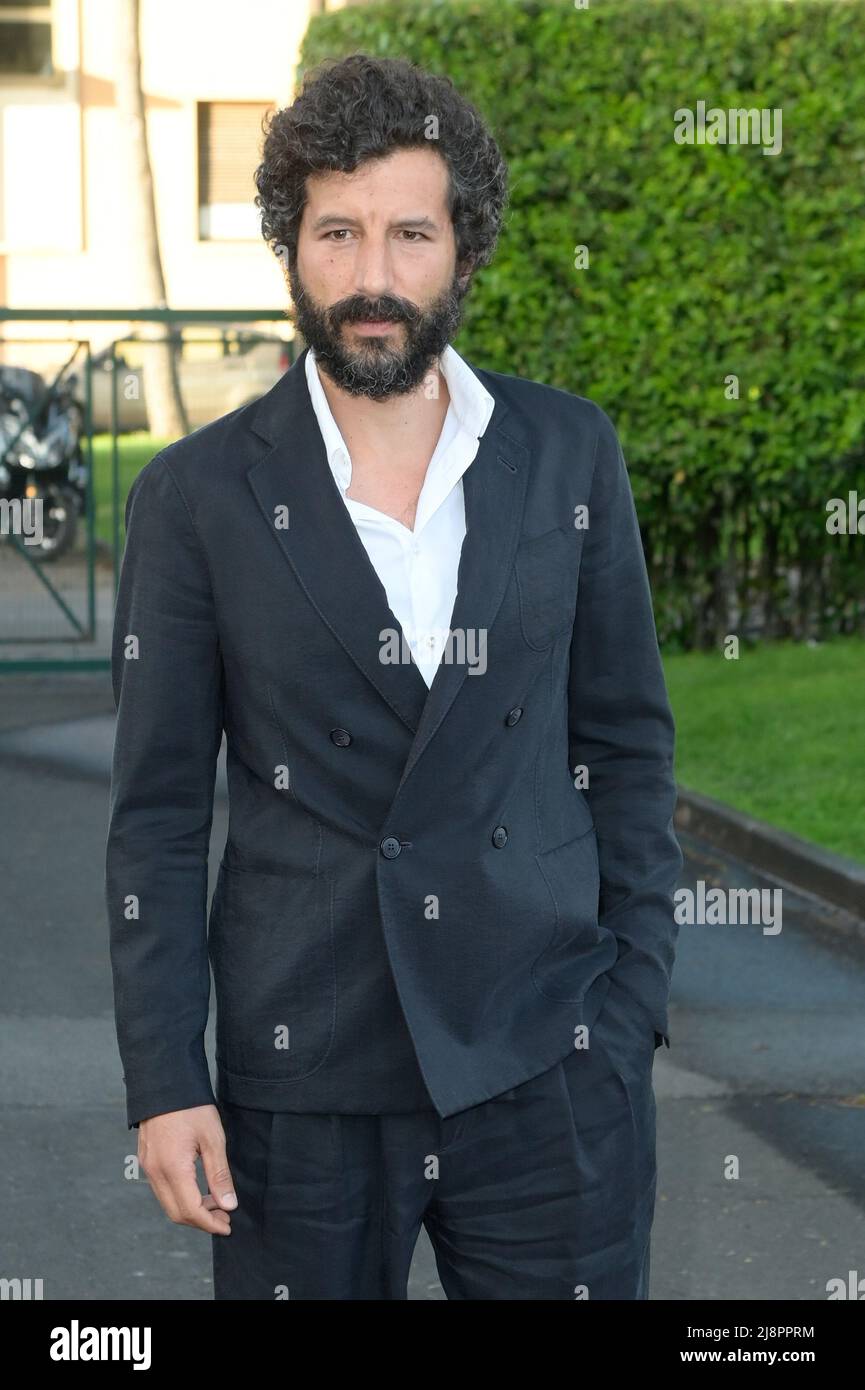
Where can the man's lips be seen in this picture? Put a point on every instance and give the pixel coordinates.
(374, 325)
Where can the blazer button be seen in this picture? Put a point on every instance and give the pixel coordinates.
(500, 837)
(514, 716)
(390, 847)
(341, 737)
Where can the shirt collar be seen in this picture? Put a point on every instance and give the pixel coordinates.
(470, 401)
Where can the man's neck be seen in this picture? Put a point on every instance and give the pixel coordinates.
(402, 430)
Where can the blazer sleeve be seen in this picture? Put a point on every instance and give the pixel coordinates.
(167, 677)
(620, 726)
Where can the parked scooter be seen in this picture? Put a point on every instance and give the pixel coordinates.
(41, 457)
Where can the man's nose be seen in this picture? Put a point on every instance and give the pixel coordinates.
(373, 269)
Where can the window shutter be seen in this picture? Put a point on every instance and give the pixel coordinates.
(229, 149)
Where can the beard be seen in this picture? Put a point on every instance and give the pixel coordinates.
(377, 367)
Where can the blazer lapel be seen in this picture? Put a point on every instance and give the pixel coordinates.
(321, 543)
(494, 488)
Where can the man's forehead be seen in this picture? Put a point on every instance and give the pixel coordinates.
(416, 166)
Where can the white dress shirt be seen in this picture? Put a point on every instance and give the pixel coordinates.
(418, 568)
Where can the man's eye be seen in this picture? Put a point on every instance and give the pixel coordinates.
(407, 231)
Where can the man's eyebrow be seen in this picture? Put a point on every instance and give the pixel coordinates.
(329, 219)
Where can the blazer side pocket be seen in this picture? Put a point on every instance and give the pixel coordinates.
(271, 946)
(571, 872)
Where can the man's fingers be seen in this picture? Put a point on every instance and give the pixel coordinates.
(216, 1171)
(180, 1196)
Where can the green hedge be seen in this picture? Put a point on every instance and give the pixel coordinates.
(706, 261)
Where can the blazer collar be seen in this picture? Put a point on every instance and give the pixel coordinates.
(331, 564)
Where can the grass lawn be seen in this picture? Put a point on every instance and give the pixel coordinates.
(135, 451)
(780, 734)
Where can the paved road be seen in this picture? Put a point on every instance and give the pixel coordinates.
(766, 1064)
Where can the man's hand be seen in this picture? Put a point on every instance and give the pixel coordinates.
(624, 1029)
(168, 1146)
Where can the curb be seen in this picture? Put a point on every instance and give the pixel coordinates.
(833, 878)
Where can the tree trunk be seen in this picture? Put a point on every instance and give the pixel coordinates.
(165, 411)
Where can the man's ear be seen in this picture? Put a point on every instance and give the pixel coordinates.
(465, 270)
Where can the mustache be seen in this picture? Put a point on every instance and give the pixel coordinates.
(358, 312)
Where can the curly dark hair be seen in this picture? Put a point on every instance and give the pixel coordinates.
(357, 108)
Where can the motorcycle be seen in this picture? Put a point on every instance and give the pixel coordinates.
(41, 456)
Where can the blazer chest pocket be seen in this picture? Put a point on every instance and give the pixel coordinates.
(547, 569)
(270, 942)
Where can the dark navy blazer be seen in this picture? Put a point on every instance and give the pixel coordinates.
(416, 907)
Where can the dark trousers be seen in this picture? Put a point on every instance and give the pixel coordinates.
(545, 1192)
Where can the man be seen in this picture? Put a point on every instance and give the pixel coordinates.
(412, 594)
